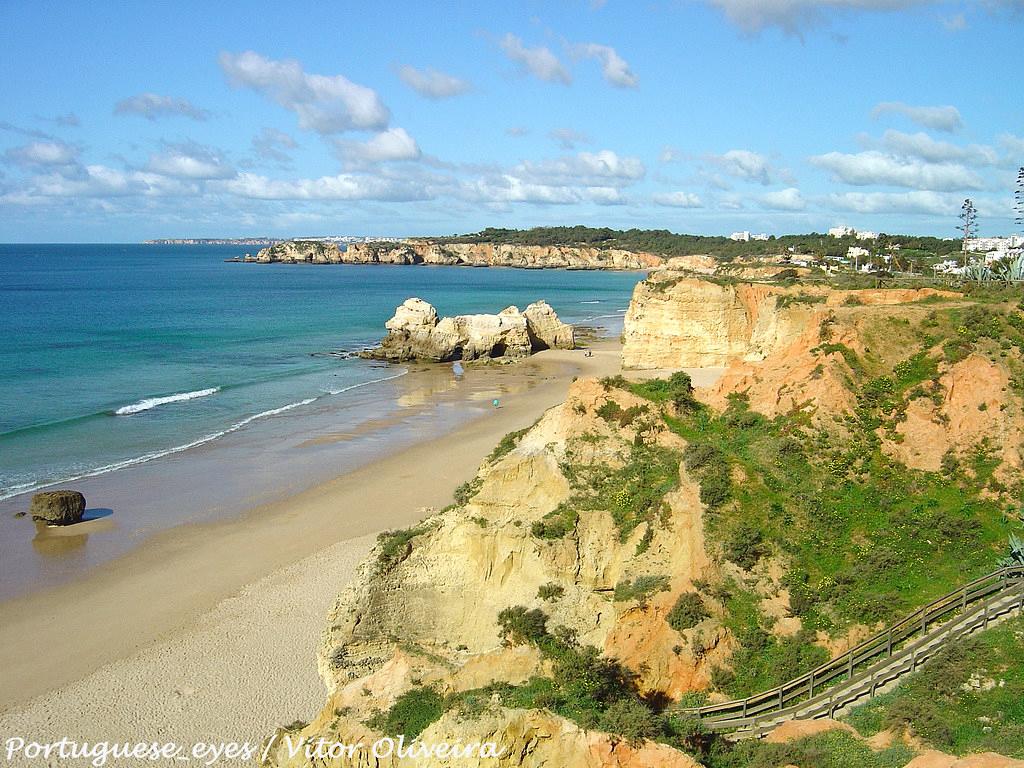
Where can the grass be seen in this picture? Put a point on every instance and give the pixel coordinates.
(834, 749)
(934, 705)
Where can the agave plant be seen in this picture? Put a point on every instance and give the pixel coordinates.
(1015, 554)
(1010, 269)
(978, 271)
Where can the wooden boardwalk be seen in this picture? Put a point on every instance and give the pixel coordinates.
(860, 672)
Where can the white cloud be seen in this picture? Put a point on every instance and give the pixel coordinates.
(153, 105)
(324, 103)
(432, 83)
(744, 164)
(613, 67)
(669, 155)
(1012, 144)
(782, 200)
(866, 168)
(896, 202)
(344, 186)
(509, 188)
(955, 23)
(678, 200)
(568, 138)
(925, 147)
(793, 16)
(392, 144)
(539, 61)
(272, 144)
(517, 131)
(43, 153)
(586, 168)
(190, 161)
(98, 181)
(945, 118)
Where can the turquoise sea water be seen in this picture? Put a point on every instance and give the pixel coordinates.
(115, 355)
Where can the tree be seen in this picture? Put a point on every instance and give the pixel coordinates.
(969, 225)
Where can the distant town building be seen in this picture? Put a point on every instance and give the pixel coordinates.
(742, 237)
(845, 231)
(759, 236)
(856, 252)
(1003, 246)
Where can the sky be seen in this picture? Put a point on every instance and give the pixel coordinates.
(127, 121)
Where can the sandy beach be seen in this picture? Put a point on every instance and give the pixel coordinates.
(208, 631)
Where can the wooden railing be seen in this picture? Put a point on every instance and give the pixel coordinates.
(894, 651)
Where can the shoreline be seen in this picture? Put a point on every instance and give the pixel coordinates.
(165, 593)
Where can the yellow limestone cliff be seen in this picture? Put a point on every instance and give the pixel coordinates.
(458, 254)
(423, 609)
(676, 320)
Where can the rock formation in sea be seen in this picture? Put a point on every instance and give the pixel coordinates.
(458, 254)
(57, 507)
(417, 333)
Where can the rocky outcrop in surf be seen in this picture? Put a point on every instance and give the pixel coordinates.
(410, 252)
(417, 333)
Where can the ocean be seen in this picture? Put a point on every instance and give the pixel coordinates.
(135, 360)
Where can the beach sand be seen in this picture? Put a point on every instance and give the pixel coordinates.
(209, 631)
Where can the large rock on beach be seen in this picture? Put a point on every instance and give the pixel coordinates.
(57, 507)
(417, 333)
(545, 329)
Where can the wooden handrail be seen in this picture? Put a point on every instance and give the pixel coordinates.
(776, 700)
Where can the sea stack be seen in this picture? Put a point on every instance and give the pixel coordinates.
(57, 507)
(417, 333)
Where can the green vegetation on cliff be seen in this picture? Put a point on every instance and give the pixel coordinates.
(969, 698)
(665, 243)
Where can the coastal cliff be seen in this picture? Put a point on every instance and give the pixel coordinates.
(647, 543)
(410, 252)
(678, 321)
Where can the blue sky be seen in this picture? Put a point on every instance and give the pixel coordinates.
(126, 121)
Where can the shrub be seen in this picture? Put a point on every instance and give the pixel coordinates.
(745, 545)
(640, 588)
(697, 456)
(688, 612)
(556, 524)
(507, 444)
(518, 626)
(630, 718)
(716, 488)
(395, 546)
(467, 491)
(550, 591)
(411, 713)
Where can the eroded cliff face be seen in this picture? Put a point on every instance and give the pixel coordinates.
(459, 254)
(423, 610)
(679, 321)
(675, 321)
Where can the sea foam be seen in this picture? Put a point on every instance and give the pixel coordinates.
(153, 402)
